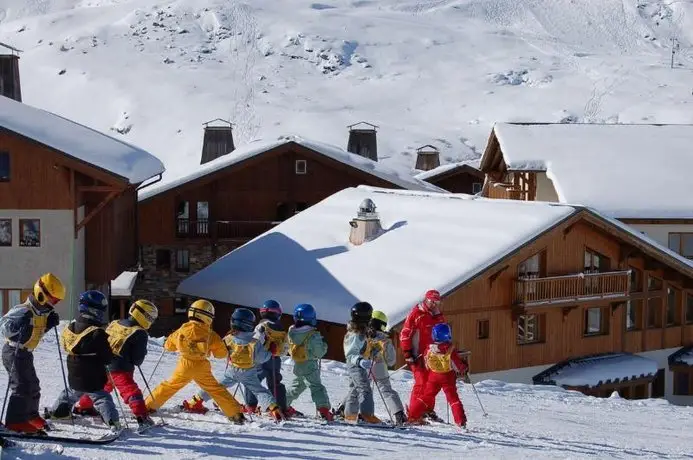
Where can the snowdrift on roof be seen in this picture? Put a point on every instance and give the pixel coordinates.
(591, 372)
(442, 169)
(79, 141)
(626, 171)
(430, 240)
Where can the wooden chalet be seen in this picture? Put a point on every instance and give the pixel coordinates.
(526, 285)
(462, 177)
(187, 224)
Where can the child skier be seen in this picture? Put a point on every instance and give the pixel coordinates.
(195, 340)
(360, 397)
(306, 347)
(88, 355)
(270, 328)
(23, 327)
(128, 339)
(381, 351)
(445, 365)
(246, 356)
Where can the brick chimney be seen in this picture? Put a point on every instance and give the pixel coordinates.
(218, 140)
(366, 226)
(363, 140)
(9, 73)
(427, 158)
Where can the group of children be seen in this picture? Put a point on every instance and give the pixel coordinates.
(101, 358)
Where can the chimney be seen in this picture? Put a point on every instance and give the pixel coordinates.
(366, 226)
(363, 141)
(427, 158)
(9, 74)
(218, 140)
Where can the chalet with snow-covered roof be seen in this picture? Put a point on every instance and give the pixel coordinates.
(68, 201)
(635, 173)
(526, 285)
(460, 177)
(188, 223)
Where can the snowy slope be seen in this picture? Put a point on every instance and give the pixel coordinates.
(426, 71)
(523, 422)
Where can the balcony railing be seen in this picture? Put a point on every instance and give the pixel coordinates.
(222, 229)
(568, 288)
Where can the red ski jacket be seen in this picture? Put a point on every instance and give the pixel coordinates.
(416, 333)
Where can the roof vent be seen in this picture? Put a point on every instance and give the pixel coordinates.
(9, 74)
(427, 158)
(366, 226)
(218, 140)
(363, 140)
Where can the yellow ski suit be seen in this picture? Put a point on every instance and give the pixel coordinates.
(194, 341)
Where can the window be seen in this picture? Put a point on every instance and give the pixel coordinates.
(635, 280)
(5, 232)
(595, 262)
(163, 259)
(633, 315)
(180, 305)
(531, 268)
(476, 187)
(689, 309)
(681, 243)
(183, 218)
(682, 383)
(202, 218)
(30, 232)
(182, 260)
(654, 284)
(301, 166)
(482, 329)
(654, 313)
(596, 321)
(529, 329)
(4, 166)
(673, 316)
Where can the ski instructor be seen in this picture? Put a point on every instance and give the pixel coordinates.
(416, 337)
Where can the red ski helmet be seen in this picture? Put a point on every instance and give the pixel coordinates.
(431, 300)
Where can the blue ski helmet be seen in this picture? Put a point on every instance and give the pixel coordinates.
(93, 304)
(243, 319)
(305, 313)
(271, 308)
(442, 333)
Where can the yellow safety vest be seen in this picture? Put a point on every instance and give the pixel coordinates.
(70, 340)
(241, 356)
(439, 362)
(299, 353)
(119, 334)
(275, 337)
(38, 323)
(375, 350)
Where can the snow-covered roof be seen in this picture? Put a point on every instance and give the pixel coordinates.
(79, 141)
(442, 169)
(400, 178)
(599, 369)
(626, 171)
(682, 356)
(430, 240)
(123, 284)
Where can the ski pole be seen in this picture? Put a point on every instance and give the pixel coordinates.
(62, 368)
(477, 397)
(156, 366)
(146, 384)
(117, 397)
(397, 370)
(9, 376)
(381, 395)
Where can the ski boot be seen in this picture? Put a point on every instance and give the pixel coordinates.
(432, 416)
(145, 422)
(84, 412)
(276, 413)
(338, 413)
(194, 405)
(351, 419)
(371, 418)
(24, 428)
(325, 413)
(250, 410)
(291, 412)
(238, 419)
(40, 423)
(400, 418)
(115, 426)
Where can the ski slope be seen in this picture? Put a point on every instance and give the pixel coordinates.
(523, 422)
(435, 72)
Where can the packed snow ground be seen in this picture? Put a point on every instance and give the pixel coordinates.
(435, 72)
(523, 422)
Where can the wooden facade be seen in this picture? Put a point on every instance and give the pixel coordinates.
(460, 179)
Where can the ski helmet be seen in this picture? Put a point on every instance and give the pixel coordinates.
(49, 290)
(431, 300)
(442, 333)
(93, 304)
(243, 319)
(144, 313)
(202, 310)
(378, 321)
(271, 308)
(305, 313)
(361, 312)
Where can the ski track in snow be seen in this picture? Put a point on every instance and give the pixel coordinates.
(523, 422)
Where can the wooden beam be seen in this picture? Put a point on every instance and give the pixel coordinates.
(495, 276)
(569, 229)
(99, 188)
(96, 210)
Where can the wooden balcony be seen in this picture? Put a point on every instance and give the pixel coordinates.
(571, 288)
(222, 229)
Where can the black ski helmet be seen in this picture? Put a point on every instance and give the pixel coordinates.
(243, 319)
(361, 312)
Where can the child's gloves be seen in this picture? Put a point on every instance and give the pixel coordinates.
(365, 363)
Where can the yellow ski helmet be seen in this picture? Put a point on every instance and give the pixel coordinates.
(49, 290)
(144, 313)
(202, 310)
(378, 320)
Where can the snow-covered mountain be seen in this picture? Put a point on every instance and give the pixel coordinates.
(426, 71)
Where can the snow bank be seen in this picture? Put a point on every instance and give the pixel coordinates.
(430, 240)
(79, 141)
(625, 171)
(123, 284)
